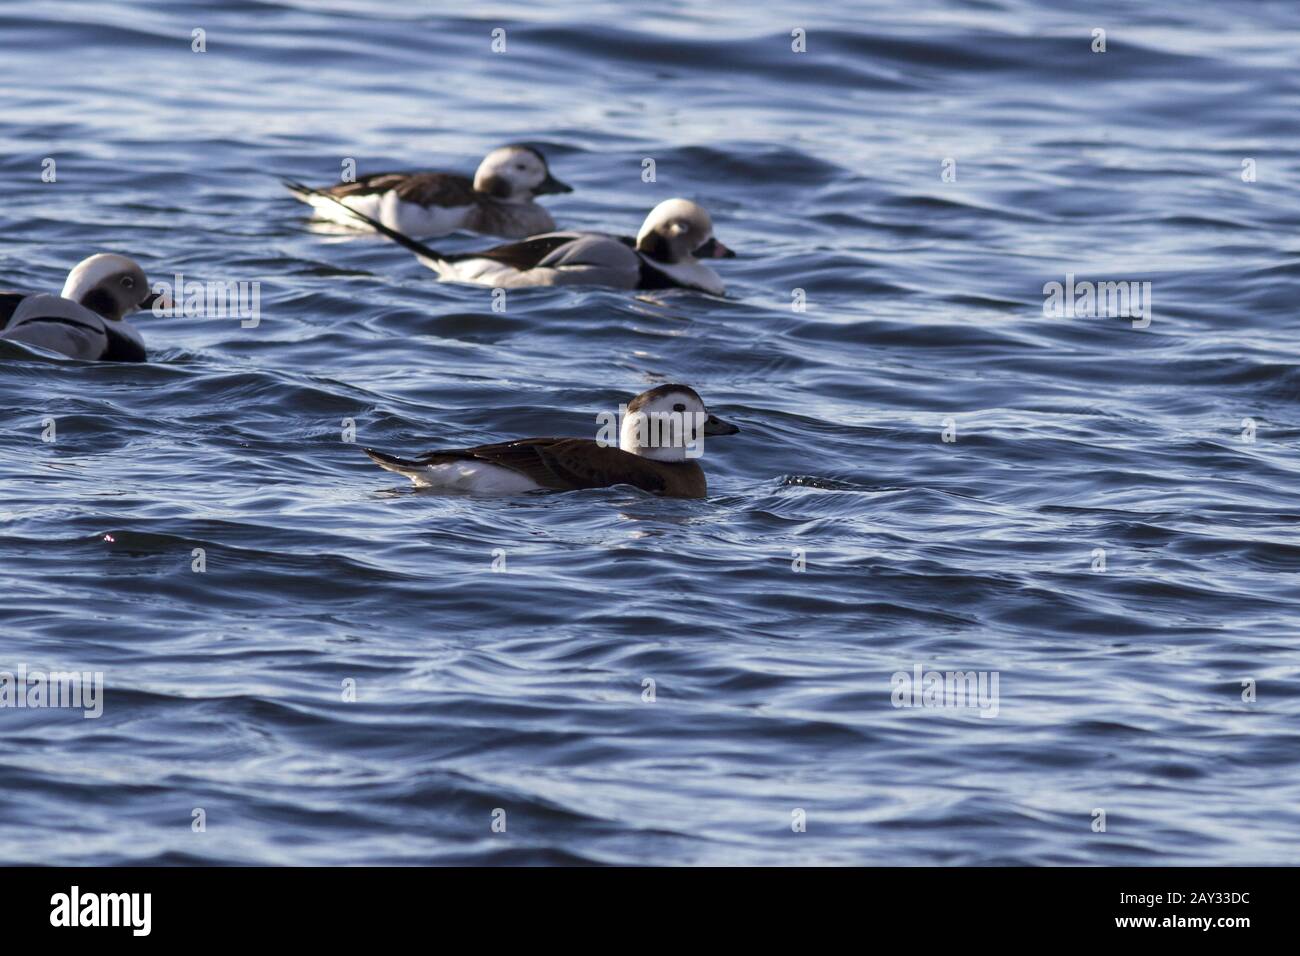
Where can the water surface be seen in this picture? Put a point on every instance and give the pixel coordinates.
(476, 690)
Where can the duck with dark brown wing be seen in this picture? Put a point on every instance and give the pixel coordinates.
(660, 438)
(498, 201)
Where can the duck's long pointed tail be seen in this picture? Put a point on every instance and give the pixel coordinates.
(403, 466)
(401, 238)
(298, 189)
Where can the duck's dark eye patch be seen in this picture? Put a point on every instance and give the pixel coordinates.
(679, 407)
(128, 282)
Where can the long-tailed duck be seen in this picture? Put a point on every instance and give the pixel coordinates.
(85, 321)
(498, 201)
(664, 255)
(659, 438)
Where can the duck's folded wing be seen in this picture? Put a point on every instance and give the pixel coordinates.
(590, 258)
(422, 189)
(560, 464)
(593, 249)
(527, 253)
(439, 189)
(58, 324)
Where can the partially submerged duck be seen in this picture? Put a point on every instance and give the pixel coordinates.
(642, 459)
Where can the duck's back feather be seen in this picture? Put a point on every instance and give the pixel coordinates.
(558, 464)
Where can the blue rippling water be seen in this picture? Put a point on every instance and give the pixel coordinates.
(1119, 690)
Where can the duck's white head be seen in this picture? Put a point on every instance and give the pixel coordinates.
(516, 174)
(668, 423)
(111, 285)
(677, 230)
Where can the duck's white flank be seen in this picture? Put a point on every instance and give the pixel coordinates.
(407, 217)
(476, 477)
